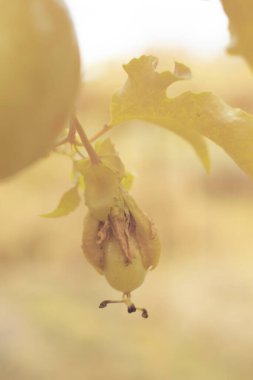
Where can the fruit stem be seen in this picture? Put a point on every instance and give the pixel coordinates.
(70, 138)
(84, 139)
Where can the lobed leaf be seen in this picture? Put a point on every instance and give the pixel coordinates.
(144, 97)
(68, 203)
(191, 116)
(230, 128)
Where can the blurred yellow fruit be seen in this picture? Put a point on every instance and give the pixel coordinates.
(39, 77)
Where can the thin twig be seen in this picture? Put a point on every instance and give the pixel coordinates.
(70, 138)
(84, 139)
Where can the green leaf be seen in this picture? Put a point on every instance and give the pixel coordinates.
(127, 181)
(79, 166)
(68, 203)
(191, 116)
(230, 128)
(144, 97)
(105, 147)
(110, 157)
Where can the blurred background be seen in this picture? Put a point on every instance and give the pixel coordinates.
(200, 297)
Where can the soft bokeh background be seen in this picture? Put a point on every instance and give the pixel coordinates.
(200, 297)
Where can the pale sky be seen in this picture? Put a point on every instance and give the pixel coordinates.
(110, 29)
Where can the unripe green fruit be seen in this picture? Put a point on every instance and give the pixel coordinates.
(108, 259)
(120, 275)
(39, 78)
(123, 247)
